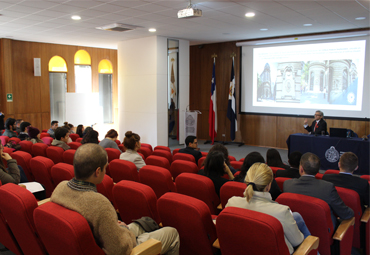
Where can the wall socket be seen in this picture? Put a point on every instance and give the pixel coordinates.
(223, 135)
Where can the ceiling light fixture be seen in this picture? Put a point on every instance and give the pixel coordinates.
(307, 25)
(360, 18)
(263, 29)
(76, 17)
(250, 14)
(152, 30)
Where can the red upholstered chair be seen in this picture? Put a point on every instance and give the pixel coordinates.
(44, 131)
(241, 160)
(200, 162)
(112, 155)
(145, 151)
(274, 169)
(55, 153)
(39, 149)
(123, 170)
(319, 176)
(184, 156)
(7, 238)
(366, 177)
(135, 200)
(61, 172)
(64, 231)
(163, 153)
(158, 178)
(236, 164)
(14, 140)
(204, 154)
(280, 182)
(147, 145)
(331, 171)
(237, 173)
(183, 166)
(175, 151)
(159, 147)
(316, 214)
(41, 169)
(231, 189)
(235, 239)
(26, 146)
(47, 140)
(121, 147)
(105, 187)
(19, 215)
(79, 140)
(117, 142)
(232, 158)
(74, 145)
(200, 187)
(68, 156)
(142, 155)
(4, 139)
(192, 219)
(23, 159)
(74, 137)
(158, 161)
(44, 134)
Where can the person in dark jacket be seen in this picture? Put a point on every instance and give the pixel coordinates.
(192, 147)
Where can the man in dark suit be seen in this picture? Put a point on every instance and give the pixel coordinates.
(348, 163)
(292, 172)
(308, 185)
(318, 126)
(192, 147)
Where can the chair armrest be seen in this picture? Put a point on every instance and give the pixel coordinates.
(43, 201)
(216, 244)
(342, 229)
(308, 244)
(366, 215)
(149, 247)
(219, 207)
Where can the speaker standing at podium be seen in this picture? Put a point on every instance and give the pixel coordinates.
(318, 125)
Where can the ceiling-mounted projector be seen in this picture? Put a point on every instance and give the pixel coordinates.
(189, 12)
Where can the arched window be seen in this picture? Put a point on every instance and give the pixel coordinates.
(105, 89)
(58, 88)
(82, 72)
(57, 64)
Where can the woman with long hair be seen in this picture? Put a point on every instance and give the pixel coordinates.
(223, 149)
(80, 130)
(110, 140)
(91, 137)
(273, 158)
(132, 145)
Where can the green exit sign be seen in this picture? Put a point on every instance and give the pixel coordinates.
(9, 97)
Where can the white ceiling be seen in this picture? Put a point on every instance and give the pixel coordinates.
(50, 21)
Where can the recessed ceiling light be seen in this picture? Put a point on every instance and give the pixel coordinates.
(250, 14)
(307, 25)
(360, 18)
(263, 29)
(76, 17)
(152, 30)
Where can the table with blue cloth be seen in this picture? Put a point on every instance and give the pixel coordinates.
(329, 149)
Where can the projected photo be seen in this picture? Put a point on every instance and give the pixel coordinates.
(309, 82)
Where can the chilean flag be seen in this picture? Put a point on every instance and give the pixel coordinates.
(231, 113)
(212, 119)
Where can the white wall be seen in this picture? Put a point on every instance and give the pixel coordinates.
(184, 77)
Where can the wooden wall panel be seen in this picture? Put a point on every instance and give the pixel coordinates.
(259, 130)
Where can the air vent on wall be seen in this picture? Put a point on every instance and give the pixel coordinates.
(118, 27)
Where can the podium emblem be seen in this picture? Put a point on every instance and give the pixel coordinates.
(332, 155)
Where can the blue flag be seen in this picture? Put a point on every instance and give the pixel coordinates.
(231, 108)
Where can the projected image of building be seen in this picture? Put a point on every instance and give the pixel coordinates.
(288, 82)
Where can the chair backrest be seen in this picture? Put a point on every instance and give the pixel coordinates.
(7, 238)
(74, 145)
(47, 140)
(44, 134)
(316, 214)
(175, 151)
(319, 176)
(121, 147)
(135, 200)
(274, 169)
(17, 205)
(184, 156)
(112, 154)
(182, 166)
(64, 231)
(79, 140)
(232, 158)
(39, 149)
(4, 139)
(200, 162)
(145, 151)
(26, 146)
(147, 145)
(230, 189)
(232, 230)
(352, 200)
(192, 219)
(331, 171)
(68, 156)
(163, 153)
(200, 187)
(14, 140)
(74, 137)
(158, 178)
(158, 161)
(61, 172)
(55, 153)
(23, 159)
(241, 160)
(160, 147)
(280, 182)
(236, 164)
(123, 170)
(204, 154)
(366, 177)
(118, 142)
(41, 169)
(105, 187)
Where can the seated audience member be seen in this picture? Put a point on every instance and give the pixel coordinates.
(12, 174)
(69, 126)
(10, 128)
(109, 140)
(23, 135)
(214, 168)
(80, 129)
(2, 116)
(318, 126)
(66, 125)
(348, 163)
(132, 145)
(80, 195)
(86, 130)
(249, 160)
(293, 171)
(192, 148)
(18, 123)
(257, 198)
(61, 138)
(53, 127)
(91, 137)
(34, 135)
(223, 149)
(308, 185)
(273, 158)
